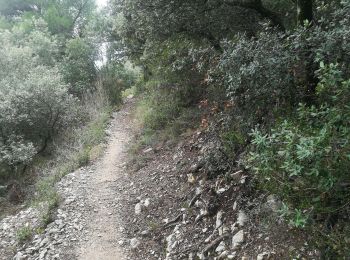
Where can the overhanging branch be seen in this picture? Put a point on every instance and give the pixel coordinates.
(257, 6)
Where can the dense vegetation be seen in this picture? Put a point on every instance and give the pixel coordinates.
(276, 73)
(53, 84)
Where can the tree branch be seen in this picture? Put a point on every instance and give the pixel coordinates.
(257, 6)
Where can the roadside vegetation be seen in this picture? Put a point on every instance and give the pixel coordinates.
(271, 78)
(56, 96)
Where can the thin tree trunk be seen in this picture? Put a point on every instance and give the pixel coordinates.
(305, 11)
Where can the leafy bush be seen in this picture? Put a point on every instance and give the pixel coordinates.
(305, 160)
(24, 234)
(257, 77)
(34, 101)
(79, 66)
(266, 77)
(115, 78)
(164, 103)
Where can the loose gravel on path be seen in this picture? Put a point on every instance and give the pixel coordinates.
(87, 225)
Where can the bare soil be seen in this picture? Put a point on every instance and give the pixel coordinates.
(104, 221)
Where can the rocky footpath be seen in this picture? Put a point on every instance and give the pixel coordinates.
(184, 201)
(59, 237)
(86, 224)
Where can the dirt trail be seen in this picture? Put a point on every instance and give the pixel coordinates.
(89, 221)
(103, 225)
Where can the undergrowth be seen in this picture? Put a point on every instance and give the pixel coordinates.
(305, 161)
(163, 117)
(24, 234)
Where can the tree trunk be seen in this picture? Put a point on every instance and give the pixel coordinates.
(147, 74)
(305, 11)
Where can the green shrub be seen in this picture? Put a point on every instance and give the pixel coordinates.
(163, 104)
(233, 141)
(34, 101)
(24, 234)
(257, 77)
(83, 157)
(115, 78)
(306, 160)
(267, 76)
(78, 67)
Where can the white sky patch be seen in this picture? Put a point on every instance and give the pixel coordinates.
(103, 56)
(103, 48)
(101, 3)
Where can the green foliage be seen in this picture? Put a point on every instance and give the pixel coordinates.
(79, 66)
(115, 78)
(58, 21)
(268, 76)
(14, 7)
(64, 18)
(305, 160)
(222, 50)
(233, 141)
(24, 234)
(34, 101)
(163, 104)
(146, 23)
(257, 77)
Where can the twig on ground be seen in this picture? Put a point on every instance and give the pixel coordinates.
(176, 219)
(214, 243)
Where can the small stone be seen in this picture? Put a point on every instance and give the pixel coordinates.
(134, 243)
(237, 239)
(148, 150)
(223, 255)
(42, 254)
(237, 176)
(53, 231)
(243, 179)
(242, 218)
(262, 256)
(44, 242)
(147, 202)
(234, 228)
(222, 190)
(20, 256)
(234, 207)
(221, 247)
(232, 256)
(222, 230)
(145, 233)
(190, 178)
(273, 204)
(219, 219)
(138, 209)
